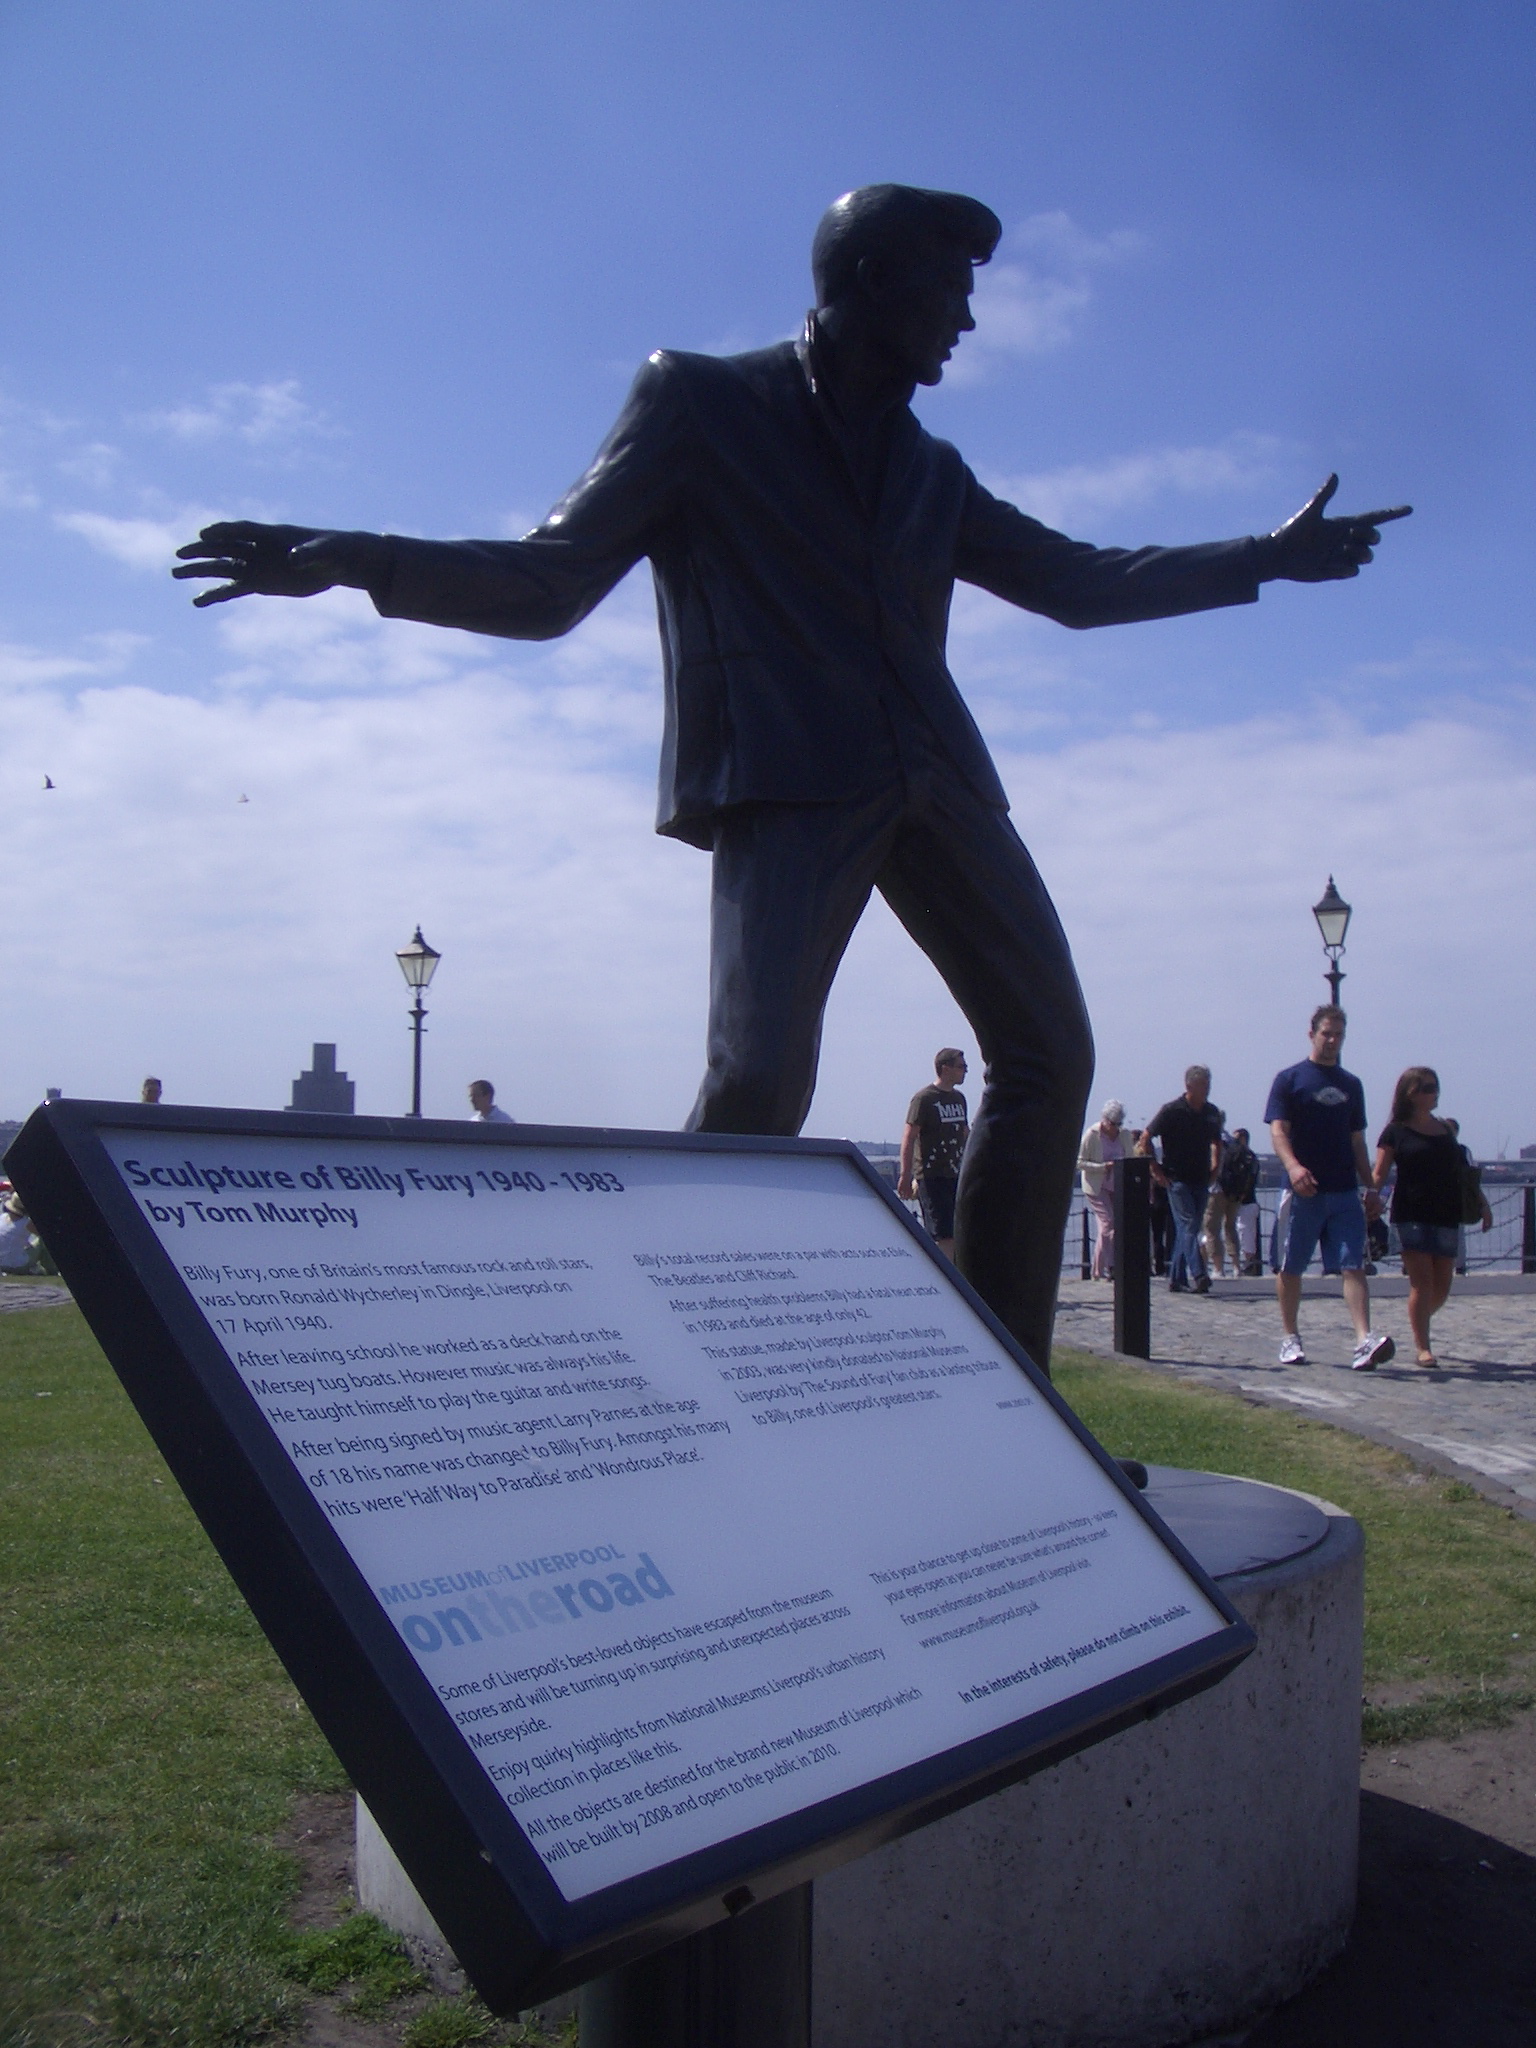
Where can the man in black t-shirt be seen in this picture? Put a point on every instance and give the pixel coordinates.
(1189, 1128)
(932, 1146)
(1317, 1124)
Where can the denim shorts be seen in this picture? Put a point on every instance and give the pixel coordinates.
(1337, 1222)
(1440, 1240)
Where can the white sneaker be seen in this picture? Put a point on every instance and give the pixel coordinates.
(1291, 1352)
(1372, 1351)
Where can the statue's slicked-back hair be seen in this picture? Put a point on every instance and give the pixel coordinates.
(878, 220)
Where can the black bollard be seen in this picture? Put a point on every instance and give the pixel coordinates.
(1528, 1230)
(1133, 1257)
(743, 1984)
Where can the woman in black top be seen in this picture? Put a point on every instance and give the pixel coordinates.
(1426, 1202)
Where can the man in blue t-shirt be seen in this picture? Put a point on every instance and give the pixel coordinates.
(1316, 1117)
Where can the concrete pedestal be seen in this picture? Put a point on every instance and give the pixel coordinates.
(384, 1890)
(1165, 1885)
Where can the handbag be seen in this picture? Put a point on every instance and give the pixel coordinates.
(1471, 1189)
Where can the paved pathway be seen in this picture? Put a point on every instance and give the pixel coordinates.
(1476, 1413)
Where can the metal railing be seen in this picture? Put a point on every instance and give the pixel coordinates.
(1509, 1247)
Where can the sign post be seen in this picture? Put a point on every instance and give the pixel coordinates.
(743, 1984)
(651, 1522)
(1133, 1257)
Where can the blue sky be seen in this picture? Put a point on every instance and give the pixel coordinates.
(392, 266)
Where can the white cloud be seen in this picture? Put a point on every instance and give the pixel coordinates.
(148, 544)
(16, 494)
(32, 434)
(1032, 295)
(334, 642)
(173, 928)
(1184, 863)
(23, 668)
(601, 681)
(504, 796)
(95, 466)
(19, 416)
(258, 414)
(1084, 491)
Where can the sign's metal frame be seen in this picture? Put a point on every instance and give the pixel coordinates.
(516, 1935)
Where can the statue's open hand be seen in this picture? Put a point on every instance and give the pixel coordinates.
(1311, 548)
(276, 561)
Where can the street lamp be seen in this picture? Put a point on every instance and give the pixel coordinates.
(418, 963)
(1332, 914)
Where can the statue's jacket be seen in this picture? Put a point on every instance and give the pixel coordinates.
(794, 608)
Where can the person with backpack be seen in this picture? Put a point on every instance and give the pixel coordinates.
(1236, 1180)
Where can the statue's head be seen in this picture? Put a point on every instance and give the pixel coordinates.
(898, 262)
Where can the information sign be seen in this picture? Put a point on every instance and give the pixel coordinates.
(650, 1521)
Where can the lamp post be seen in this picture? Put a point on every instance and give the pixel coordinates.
(1332, 914)
(418, 963)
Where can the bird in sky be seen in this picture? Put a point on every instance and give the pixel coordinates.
(48, 782)
(244, 799)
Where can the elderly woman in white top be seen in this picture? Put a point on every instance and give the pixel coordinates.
(18, 1246)
(1103, 1143)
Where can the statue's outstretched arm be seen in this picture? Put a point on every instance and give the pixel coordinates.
(1005, 551)
(529, 589)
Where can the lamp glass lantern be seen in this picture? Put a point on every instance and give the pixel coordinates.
(418, 961)
(1332, 914)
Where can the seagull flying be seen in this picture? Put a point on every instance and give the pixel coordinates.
(48, 782)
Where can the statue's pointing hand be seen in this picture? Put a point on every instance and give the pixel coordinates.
(280, 561)
(1311, 548)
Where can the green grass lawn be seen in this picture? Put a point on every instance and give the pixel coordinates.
(150, 1742)
(151, 1746)
(1450, 1578)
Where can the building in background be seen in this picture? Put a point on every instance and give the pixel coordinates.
(323, 1087)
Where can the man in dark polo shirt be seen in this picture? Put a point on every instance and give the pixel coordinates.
(933, 1145)
(1189, 1129)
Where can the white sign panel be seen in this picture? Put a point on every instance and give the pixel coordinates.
(696, 1490)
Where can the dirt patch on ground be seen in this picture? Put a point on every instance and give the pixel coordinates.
(1443, 1953)
(1519, 1676)
(1485, 1779)
(321, 1834)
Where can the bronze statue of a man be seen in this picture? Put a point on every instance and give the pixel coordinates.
(805, 535)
